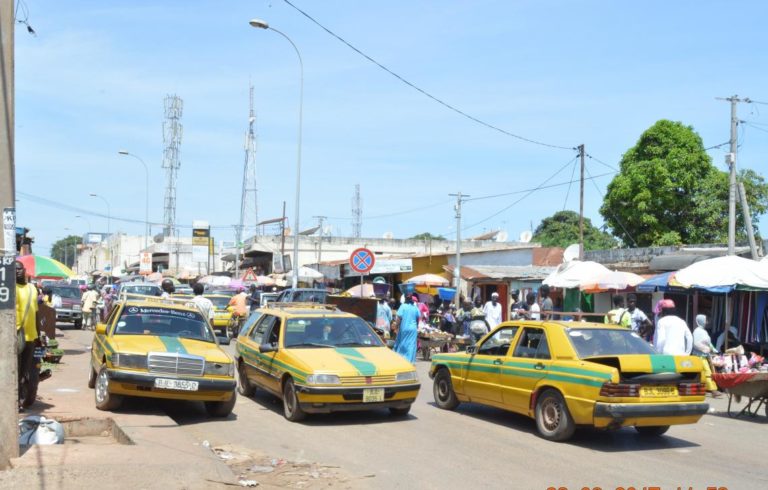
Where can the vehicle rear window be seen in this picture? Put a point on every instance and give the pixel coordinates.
(329, 331)
(589, 342)
(219, 302)
(145, 289)
(71, 293)
(307, 296)
(166, 322)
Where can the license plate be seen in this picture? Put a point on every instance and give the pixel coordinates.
(176, 384)
(658, 391)
(373, 395)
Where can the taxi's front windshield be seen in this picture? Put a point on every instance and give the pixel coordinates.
(329, 332)
(164, 322)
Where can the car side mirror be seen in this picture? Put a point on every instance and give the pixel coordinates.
(472, 349)
(222, 339)
(101, 329)
(265, 348)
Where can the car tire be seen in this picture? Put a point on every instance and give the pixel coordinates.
(399, 412)
(91, 377)
(244, 386)
(291, 408)
(652, 430)
(553, 420)
(104, 399)
(78, 324)
(221, 409)
(442, 388)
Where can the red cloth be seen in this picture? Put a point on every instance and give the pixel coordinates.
(729, 380)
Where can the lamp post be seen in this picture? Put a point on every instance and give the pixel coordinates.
(146, 195)
(261, 24)
(109, 218)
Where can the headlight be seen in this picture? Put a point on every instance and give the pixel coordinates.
(409, 376)
(131, 361)
(220, 368)
(76, 307)
(323, 379)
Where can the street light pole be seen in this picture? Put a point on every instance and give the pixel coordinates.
(146, 195)
(260, 24)
(109, 218)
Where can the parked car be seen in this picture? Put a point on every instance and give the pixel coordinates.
(569, 374)
(319, 359)
(302, 295)
(160, 348)
(266, 298)
(71, 309)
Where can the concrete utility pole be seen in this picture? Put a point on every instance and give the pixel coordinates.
(581, 204)
(9, 445)
(457, 271)
(748, 221)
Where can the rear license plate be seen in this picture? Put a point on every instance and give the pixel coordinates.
(658, 391)
(373, 395)
(176, 384)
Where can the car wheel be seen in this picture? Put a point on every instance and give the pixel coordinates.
(652, 430)
(399, 412)
(221, 409)
(91, 377)
(244, 386)
(553, 419)
(104, 399)
(442, 389)
(291, 408)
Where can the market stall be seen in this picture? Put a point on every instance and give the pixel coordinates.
(751, 385)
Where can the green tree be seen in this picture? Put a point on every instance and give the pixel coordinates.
(668, 191)
(562, 229)
(65, 250)
(427, 236)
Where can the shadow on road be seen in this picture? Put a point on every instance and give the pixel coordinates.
(496, 416)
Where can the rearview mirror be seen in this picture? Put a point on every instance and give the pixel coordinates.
(472, 349)
(265, 348)
(223, 339)
(101, 329)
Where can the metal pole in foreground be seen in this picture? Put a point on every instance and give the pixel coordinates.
(9, 444)
(732, 179)
(581, 205)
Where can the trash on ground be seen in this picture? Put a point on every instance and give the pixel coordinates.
(37, 429)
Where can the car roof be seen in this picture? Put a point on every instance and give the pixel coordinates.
(183, 304)
(566, 324)
(304, 309)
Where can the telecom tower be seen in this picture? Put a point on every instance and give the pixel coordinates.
(172, 131)
(249, 210)
(357, 213)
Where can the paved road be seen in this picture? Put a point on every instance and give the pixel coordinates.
(479, 447)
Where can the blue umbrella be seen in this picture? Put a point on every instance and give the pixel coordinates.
(659, 282)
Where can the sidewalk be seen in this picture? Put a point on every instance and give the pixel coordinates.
(159, 453)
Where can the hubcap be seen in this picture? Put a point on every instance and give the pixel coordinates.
(442, 389)
(102, 386)
(550, 414)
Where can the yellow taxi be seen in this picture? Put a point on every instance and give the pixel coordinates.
(160, 348)
(222, 312)
(319, 359)
(569, 374)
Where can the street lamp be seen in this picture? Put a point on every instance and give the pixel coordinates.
(261, 24)
(146, 195)
(109, 218)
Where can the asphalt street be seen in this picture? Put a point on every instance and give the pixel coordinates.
(480, 447)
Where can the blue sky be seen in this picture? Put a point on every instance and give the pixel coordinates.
(595, 72)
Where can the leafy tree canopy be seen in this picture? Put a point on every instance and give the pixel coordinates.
(427, 236)
(65, 250)
(668, 191)
(562, 229)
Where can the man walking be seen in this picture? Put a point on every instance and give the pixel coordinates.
(673, 337)
(546, 303)
(639, 321)
(618, 315)
(203, 304)
(492, 310)
(89, 300)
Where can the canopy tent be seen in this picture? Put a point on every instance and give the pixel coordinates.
(306, 274)
(664, 282)
(571, 274)
(215, 280)
(428, 280)
(724, 274)
(41, 267)
(613, 280)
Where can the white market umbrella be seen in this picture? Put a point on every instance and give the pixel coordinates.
(428, 280)
(726, 271)
(614, 280)
(306, 274)
(572, 273)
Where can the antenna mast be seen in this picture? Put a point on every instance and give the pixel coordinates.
(172, 131)
(249, 210)
(357, 214)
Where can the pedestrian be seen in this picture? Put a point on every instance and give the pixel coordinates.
(204, 304)
(167, 287)
(422, 307)
(638, 320)
(464, 317)
(253, 297)
(384, 317)
(703, 347)
(516, 305)
(26, 323)
(546, 302)
(531, 310)
(619, 315)
(492, 310)
(88, 301)
(673, 337)
(407, 326)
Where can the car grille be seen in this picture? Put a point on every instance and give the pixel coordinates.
(168, 363)
(367, 380)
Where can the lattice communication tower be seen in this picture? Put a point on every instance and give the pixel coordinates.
(249, 208)
(357, 213)
(172, 131)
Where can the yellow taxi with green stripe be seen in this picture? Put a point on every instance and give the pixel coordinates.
(222, 312)
(160, 348)
(571, 374)
(319, 359)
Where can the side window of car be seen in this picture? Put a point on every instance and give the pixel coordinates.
(274, 333)
(542, 351)
(257, 335)
(532, 344)
(498, 344)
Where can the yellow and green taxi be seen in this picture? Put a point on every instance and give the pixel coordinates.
(222, 313)
(569, 374)
(160, 348)
(319, 359)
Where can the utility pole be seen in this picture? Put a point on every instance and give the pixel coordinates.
(282, 242)
(748, 221)
(320, 220)
(581, 204)
(9, 431)
(460, 198)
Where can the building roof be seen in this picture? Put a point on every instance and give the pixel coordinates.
(503, 272)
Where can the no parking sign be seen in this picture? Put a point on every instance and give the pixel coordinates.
(362, 260)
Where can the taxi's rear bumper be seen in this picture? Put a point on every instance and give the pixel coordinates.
(621, 411)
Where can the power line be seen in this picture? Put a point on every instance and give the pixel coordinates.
(424, 92)
(755, 127)
(570, 183)
(602, 162)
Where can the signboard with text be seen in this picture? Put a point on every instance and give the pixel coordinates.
(201, 234)
(145, 263)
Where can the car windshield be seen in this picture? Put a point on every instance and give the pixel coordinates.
(310, 296)
(219, 302)
(71, 293)
(145, 289)
(329, 331)
(590, 342)
(163, 322)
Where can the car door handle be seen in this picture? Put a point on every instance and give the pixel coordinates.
(538, 365)
(498, 361)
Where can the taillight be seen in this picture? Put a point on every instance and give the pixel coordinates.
(619, 389)
(691, 389)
